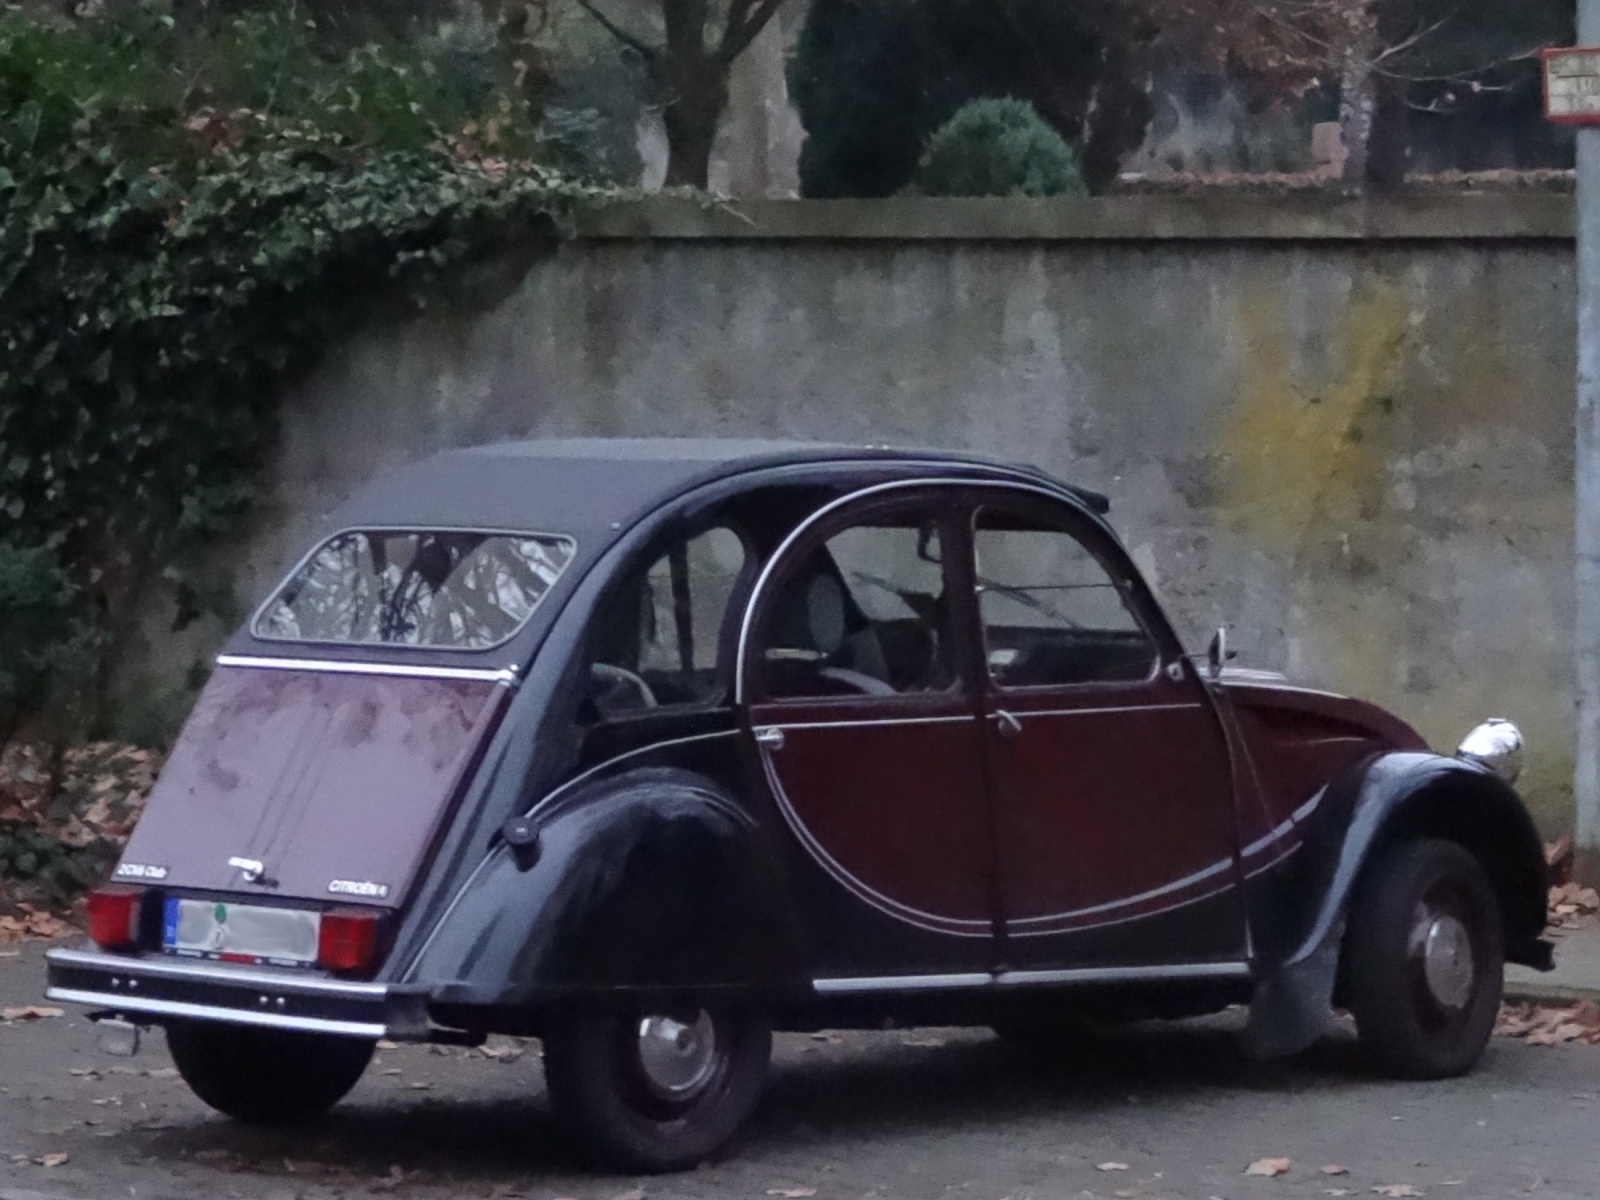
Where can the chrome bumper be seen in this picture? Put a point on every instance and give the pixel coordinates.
(152, 990)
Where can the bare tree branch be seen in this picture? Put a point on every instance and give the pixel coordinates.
(616, 31)
(755, 14)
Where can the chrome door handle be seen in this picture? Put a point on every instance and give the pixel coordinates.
(770, 737)
(1010, 727)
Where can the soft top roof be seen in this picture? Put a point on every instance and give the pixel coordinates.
(582, 486)
(593, 490)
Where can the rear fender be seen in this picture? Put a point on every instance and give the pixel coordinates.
(1391, 798)
(654, 883)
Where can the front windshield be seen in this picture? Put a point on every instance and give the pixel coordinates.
(437, 590)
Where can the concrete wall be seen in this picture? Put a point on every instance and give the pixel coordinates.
(1342, 431)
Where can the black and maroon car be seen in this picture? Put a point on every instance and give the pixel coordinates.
(649, 748)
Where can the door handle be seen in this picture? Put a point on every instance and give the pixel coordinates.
(770, 737)
(1009, 725)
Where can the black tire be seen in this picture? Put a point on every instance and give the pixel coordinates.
(266, 1076)
(1425, 960)
(625, 1118)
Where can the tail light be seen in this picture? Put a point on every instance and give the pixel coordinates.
(114, 916)
(349, 939)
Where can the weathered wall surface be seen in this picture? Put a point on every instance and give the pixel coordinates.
(1343, 433)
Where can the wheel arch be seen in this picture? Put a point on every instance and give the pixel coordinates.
(1391, 798)
(654, 881)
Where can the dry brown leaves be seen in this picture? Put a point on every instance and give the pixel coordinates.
(1571, 905)
(32, 923)
(28, 1012)
(85, 794)
(1540, 1025)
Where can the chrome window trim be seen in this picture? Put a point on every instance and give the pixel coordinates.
(880, 489)
(148, 1006)
(210, 972)
(502, 675)
(300, 564)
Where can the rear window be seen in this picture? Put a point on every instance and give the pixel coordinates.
(439, 590)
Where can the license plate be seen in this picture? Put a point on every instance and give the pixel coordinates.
(240, 932)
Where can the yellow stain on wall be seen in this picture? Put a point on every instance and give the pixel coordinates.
(1301, 454)
(1304, 475)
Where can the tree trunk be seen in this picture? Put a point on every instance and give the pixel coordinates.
(693, 109)
(1358, 104)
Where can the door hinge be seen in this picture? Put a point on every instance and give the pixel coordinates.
(770, 737)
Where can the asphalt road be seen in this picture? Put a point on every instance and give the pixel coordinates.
(922, 1114)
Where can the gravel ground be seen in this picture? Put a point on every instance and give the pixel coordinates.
(921, 1114)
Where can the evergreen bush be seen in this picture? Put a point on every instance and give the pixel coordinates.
(998, 147)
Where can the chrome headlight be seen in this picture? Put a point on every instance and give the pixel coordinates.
(1496, 744)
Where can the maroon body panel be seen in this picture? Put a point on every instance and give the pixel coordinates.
(1296, 741)
(319, 776)
(1115, 803)
(889, 797)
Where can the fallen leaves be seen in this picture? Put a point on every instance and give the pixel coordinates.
(1111, 1166)
(1335, 1169)
(1398, 1189)
(29, 1012)
(52, 1160)
(32, 923)
(1571, 904)
(793, 1193)
(1540, 1025)
(1271, 1168)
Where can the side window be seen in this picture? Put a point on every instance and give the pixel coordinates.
(866, 614)
(1051, 613)
(656, 639)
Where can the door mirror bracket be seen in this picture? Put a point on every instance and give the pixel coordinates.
(1218, 655)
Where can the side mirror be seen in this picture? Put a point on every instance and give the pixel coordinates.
(1218, 655)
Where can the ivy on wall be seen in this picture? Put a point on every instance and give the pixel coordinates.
(167, 255)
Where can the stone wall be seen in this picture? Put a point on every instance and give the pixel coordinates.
(1343, 431)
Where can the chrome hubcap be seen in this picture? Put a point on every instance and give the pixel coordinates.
(1448, 964)
(677, 1059)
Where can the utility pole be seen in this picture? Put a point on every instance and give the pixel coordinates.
(1586, 784)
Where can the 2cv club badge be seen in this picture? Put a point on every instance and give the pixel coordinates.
(651, 748)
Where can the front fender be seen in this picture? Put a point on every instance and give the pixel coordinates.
(653, 882)
(1387, 798)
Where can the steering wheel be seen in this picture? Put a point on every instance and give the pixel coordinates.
(615, 674)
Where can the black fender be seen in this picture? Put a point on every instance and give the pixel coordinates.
(652, 883)
(1391, 797)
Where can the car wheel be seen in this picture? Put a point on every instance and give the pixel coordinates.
(266, 1076)
(1425, 960)
(656, 1093)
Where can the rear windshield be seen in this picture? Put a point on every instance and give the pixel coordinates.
(445, 591)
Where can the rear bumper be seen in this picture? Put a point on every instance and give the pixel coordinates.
(154, 990)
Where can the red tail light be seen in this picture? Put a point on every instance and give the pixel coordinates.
(114, 916)
(349, 939)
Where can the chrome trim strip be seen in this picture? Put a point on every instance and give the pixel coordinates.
(875, 721)
(1023, 714)
(799, 531)
(1215, 868)
(209, 972)
(1187, 902)
(502, 675)
(900, 983)
(210, 1012)
(1298, 815)
(1233, 970)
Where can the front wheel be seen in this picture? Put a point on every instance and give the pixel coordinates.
(266, 1076)
(652, 1092)
(1425, 960)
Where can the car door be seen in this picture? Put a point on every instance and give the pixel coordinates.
(867, 730)
(1110, 773)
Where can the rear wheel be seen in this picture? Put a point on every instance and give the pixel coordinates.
(1425, 960)
(654, 1092)
(266, 1076)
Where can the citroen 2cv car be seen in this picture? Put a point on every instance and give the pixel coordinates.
(649, 748)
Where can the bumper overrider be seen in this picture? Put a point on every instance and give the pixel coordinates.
(151, 990)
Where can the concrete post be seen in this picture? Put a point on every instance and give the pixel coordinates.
(1586, 784)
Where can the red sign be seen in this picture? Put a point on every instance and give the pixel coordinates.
(1572, 85)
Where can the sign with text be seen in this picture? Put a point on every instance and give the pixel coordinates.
(1572, 85)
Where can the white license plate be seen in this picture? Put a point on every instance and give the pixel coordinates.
(240, 932)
